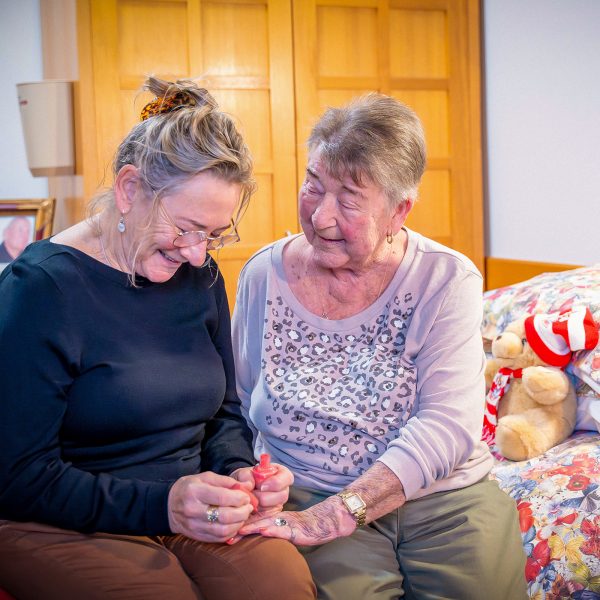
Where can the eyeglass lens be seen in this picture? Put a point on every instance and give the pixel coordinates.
(191, 238)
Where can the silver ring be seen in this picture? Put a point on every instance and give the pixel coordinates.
(280, 522)
(212, 514)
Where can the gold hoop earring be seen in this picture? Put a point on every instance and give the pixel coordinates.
(389, 238)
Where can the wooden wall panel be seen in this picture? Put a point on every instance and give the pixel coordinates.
(346, 41)
(435, 184)
(235, 40)
(151, 37)
(418, 42)
(432, 108)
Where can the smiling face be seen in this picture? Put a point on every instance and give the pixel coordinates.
(345, 224)
(205, 203)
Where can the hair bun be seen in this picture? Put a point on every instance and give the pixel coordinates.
(171, 96)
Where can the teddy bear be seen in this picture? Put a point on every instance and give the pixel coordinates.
(531, 404)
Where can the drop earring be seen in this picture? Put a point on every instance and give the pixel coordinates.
(389, 237)
(121, 224)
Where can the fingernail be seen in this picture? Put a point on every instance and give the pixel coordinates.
(230, 541)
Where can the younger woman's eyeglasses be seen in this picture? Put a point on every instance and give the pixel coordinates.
(185, 239)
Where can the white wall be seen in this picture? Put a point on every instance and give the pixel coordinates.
(542, 107)
(20, 61)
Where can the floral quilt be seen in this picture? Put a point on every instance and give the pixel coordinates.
(558, 499)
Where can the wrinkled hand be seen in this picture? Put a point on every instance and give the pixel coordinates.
(316, 525)
(191, 496)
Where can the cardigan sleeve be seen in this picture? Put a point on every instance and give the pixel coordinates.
(247, 327)
(446, 427)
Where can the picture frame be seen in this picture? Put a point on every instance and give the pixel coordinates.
(23, 221)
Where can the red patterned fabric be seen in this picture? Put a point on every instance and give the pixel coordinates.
(492, 401)
(558, 498)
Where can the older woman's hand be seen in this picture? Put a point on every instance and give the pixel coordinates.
(206, 508)
(316, 525)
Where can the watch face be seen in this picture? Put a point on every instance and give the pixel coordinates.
(354, 502)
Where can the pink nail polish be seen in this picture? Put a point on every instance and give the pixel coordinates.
(263, 470)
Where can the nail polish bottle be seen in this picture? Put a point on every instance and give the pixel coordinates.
(263, 470)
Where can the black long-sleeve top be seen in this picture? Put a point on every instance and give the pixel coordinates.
(109, 393)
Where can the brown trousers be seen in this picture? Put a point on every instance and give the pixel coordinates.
(39, 561)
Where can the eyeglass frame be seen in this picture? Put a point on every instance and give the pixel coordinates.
(212, 243)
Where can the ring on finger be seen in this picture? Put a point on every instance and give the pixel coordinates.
(212, 514)
(292, 533)
(280, 522)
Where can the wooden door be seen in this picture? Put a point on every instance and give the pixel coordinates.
(426, 54)
(241, 50)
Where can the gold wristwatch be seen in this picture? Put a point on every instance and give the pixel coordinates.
(356, 506)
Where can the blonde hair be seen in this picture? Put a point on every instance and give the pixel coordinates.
(172, 146)
(377, 137)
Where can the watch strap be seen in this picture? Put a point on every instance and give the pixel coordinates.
(360, 513)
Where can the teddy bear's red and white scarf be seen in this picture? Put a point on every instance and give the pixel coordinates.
(492, 401)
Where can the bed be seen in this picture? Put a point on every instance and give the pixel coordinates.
(558, 493)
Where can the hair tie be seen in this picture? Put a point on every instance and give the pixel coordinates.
(166, 104)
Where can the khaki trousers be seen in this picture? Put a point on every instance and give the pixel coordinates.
(459, 545)
(42, 562)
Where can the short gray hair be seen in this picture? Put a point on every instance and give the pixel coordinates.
(377, 137)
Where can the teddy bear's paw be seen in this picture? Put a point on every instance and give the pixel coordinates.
(509, 439)
(520, 438)
(546, 385)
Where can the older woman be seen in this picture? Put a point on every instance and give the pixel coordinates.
(360, 367)
(125, 459)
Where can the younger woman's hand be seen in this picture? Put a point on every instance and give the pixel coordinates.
(273, 493)
(207, 507)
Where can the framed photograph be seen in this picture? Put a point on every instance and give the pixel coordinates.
(21, 222)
